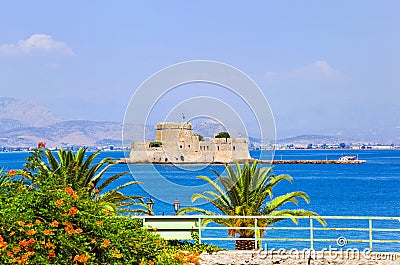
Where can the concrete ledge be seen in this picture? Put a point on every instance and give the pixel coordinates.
(301, 257)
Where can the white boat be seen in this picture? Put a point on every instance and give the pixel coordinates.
(347, 158)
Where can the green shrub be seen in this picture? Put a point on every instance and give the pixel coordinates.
(223, 135)
(201, 137)
(155, 144)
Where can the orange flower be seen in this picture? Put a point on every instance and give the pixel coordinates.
(11, 172)
(59, 202)
(23, 243)
(99, 223)
(118, 256)
(3, 245)
(81, 258)
(52, 254)
(106, 243)
(137, 246)
(23, 259)
(91, 184)
(73, 210)
(37, 222)
(54, 223)
(21, 223)
(31, 241)
(31, 232)
(30, 225)
(49, 245)
(68, 228)
(47, 232)
(78, 230)
(41, 145)
(10, 254)
(74, 196)
(16, 249)
(69, 190)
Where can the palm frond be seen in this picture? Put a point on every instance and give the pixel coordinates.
(110, 180)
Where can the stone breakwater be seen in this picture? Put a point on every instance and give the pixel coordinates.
(128, 161)
(285, 258)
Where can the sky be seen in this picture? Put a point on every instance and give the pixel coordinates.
(325, 67)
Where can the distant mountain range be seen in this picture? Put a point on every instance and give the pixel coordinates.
(209, 127)
(24, 124)
(315, 139)
(19, 113)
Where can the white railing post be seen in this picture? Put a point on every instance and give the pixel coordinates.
(311, 234)
(200, 230)
(370, 234)
(255, 233)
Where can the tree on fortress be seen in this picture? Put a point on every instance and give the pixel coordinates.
(248, 192)
(74, 170)
(223, 135)
(201, 137)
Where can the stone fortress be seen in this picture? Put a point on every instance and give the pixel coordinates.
(176, 143)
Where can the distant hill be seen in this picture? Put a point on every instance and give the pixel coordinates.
(16, 112)
(209, 127)
(315, 139)
(24, 124)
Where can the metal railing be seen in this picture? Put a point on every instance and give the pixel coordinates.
(311, 229)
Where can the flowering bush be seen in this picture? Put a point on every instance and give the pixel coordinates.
(61, 227)
(56, 223)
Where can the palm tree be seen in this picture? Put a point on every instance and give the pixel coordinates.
(248, 192)
(77, 171)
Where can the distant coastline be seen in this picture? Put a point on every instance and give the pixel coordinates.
(121, 149)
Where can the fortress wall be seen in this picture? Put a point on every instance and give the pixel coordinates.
(240, 149)
(139, 152)
(206, 146)
(223, 156)
(179, 145)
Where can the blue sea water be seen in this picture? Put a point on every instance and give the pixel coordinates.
(369, 189)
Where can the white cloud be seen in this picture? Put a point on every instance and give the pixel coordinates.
(397, 127)
(40, 44)
(319, 70)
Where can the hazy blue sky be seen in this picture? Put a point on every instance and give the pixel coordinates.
(325, 66)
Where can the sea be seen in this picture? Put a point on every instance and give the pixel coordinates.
(368, 189)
